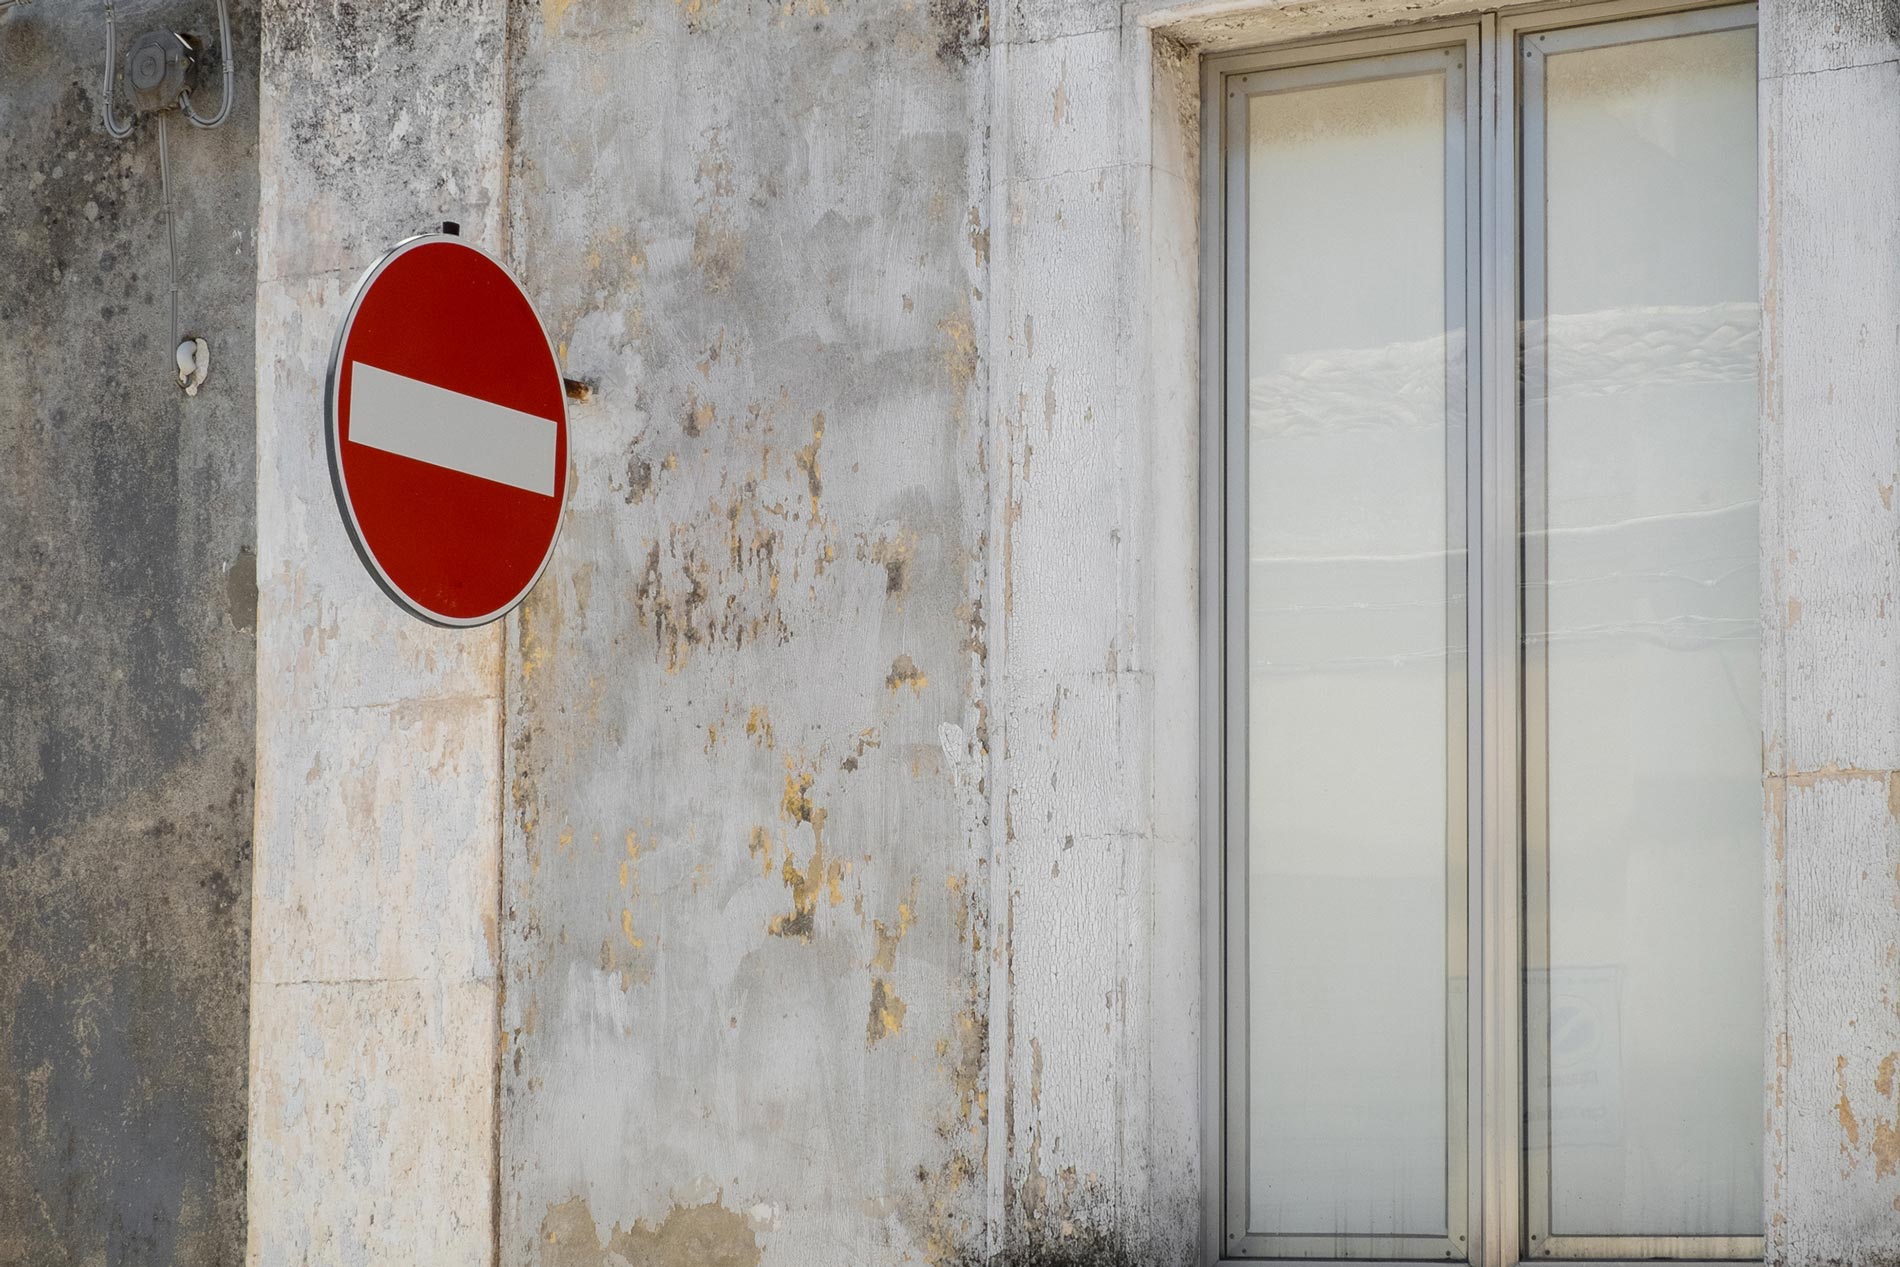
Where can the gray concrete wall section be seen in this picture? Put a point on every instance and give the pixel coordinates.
(127, 600)
(747, 928)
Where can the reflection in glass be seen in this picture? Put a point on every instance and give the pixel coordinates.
(1354, 598)
(1643, 639)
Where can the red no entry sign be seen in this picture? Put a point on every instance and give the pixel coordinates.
(447, 432)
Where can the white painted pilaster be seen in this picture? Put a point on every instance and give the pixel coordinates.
(1095, 412)
(1830, 188)
(374, 960)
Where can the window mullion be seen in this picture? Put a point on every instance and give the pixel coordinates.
(1499, 912)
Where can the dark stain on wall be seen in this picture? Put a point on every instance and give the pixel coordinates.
(128, 594)
(963, 29)
(1876, 23)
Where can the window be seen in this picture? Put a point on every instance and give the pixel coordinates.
(1490, 733)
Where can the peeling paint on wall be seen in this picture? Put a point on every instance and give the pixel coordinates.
(793, 451)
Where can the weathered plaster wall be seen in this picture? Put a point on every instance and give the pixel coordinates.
(839, 777)
(1831, 448)
(374, 972)
(747, 893)
(127, 599)
(850, 877)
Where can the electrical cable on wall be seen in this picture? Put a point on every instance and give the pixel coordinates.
(161, 70)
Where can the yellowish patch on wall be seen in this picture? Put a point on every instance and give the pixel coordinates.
(887, 1013)
(821, 876)
(887, 1010)
(552, 11)
(704, 1235)
(904, 672)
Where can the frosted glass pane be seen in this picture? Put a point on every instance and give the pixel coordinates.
(1349, 561)
(1654, 763)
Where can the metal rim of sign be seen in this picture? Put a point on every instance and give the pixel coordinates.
(332, 427)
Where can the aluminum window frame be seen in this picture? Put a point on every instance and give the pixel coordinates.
(1236, 78)
(1497, 1200)
(1531, 40)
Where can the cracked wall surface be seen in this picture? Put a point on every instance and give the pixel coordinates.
(127, 601)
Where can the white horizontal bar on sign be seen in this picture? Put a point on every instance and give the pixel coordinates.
(419, 420)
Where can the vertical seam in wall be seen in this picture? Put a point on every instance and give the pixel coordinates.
(1134, 126)
(1777, 759)
(501, 938)
(1131, 844)
(1781, 720)
(997, 441)
(263, 152)
(251, 1250)
(1783, 948)
(509, 624)
(505, 212)
(1135, 63)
